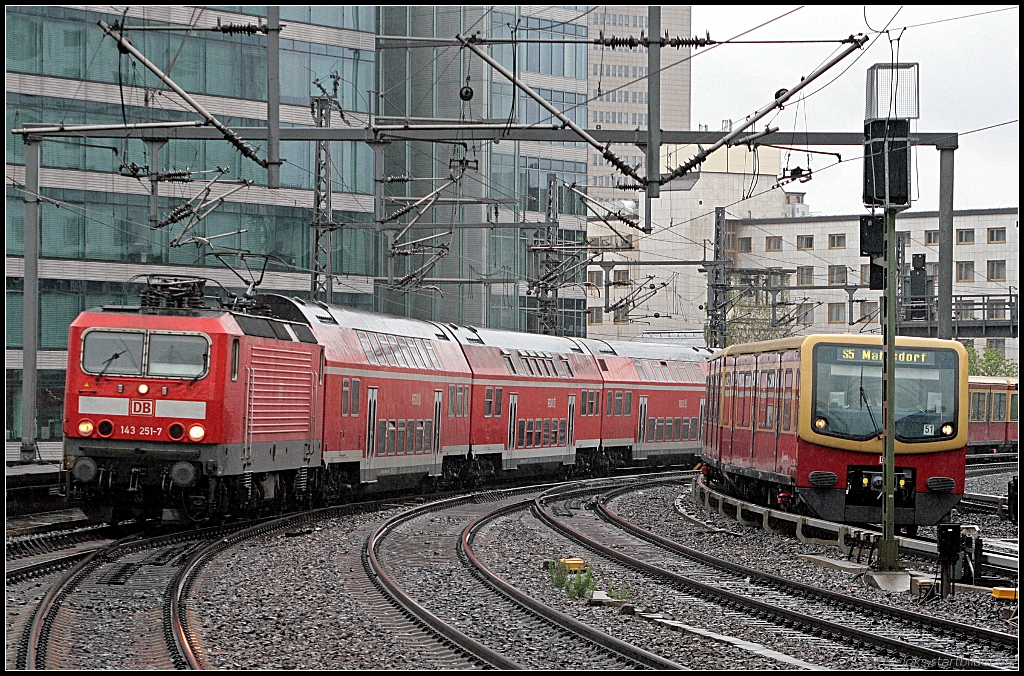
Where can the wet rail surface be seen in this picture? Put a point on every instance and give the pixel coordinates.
(856, 622)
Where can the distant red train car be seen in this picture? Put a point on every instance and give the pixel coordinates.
(191, 413)
(993, 415)
(797, 423)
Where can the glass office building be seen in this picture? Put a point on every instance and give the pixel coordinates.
(95, 225)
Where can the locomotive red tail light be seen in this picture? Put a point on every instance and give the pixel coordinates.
(85, 428)
(105, 428)
(196, 433)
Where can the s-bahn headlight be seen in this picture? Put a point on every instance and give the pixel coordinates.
(196, 433)
(864, 481)
(85, 428)
(903, 482)
(821, 423)
(947, 430)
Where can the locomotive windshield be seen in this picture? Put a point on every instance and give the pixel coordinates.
(122, 353)
(848, 392)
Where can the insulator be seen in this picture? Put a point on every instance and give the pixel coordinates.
(233, 28)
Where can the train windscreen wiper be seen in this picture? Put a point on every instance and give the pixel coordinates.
(864, 398)
(108, 362)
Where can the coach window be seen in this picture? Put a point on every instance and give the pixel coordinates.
(529, 433)
(355, 398)
(978, 405)
(378, 353)
(344, 396)
(365, 343)
(234, 359)
(594, 405)
(382, 435)
(537, 433)
(410, 437)
(497, 402)
(400, 438)
(639, 369)
(391, 437)
(451, 401)
(386, 347)
(568, 369)
(693, 429)
(618, 403)
(999, 407)
(419, 437)
(678, 431)
(488, 401)
(561, 432)
(460, 401)
(529, 367)
(556, 364)
(397, 349)
(433, 357)
(629, 404)
(509, 365)
(521, 439)
(1013, 408)
(412, 359)
(547, 431)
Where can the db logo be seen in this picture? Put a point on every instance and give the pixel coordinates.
(141, 407)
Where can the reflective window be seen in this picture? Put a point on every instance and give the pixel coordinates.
(113, 352)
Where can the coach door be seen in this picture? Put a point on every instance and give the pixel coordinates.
(434, 434)
(641, 430)
(371, 423)
(513, 412)
(570, 433)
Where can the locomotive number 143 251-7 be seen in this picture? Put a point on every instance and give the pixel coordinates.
(146, 431)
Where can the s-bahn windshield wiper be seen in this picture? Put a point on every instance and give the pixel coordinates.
(108, 362)
(864, 398)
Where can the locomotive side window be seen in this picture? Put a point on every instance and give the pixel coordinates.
(497, 402)
(234, 359)
(355, 397)
(113, 353)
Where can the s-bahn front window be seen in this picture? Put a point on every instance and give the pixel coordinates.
(848, 393)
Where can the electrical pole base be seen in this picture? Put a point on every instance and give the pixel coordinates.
(888, 555)
(28, 455)
(888, 580)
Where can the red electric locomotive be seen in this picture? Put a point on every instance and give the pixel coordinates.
(797, 423)
(993, 415)
(177, 410)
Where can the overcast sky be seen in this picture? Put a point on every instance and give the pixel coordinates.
(969, 70)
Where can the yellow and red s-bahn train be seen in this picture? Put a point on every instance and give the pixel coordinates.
(797, 423)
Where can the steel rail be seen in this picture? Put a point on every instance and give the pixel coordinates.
(981, 633)
(607, 641)
(707, 590)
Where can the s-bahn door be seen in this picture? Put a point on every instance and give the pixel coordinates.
(435, 434)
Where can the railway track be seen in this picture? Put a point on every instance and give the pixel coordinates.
(113, 608)
(852, 621)
(424, 558)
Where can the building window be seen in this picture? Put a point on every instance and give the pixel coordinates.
(621, 276)
(595, 315)
(622, 315)
(745, 243)
(804, 242)
(996, 309)
(837, 275)
(805, 276)
(805, 313)
(965, 271)
(996, 235)
(997, 344)
(836, 313)
(965, 236)
(869, 311)
(931, 237)
(773, 244)
(596, 279)
(931, 269)
(865, 274)
(964, 309)
(997, 271)
(837, 241)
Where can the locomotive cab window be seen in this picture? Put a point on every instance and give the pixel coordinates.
(113, 352)
(848, 392)
(178, 356)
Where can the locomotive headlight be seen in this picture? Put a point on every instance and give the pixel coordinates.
(821, 423)
(947, 430)
(85, 428)
(143, 388)
(196, 433)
